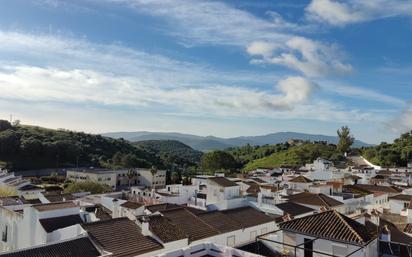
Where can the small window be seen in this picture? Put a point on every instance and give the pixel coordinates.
(231, 240)
(253, 235)
(4, 234)
(405, 205)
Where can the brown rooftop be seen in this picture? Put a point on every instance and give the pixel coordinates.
(401, 197)
(192, 226)
(121, 236)
(131, 205)
(330, 225)
(54, 206)
(224, 182)
(80, 247)
(247, 216)
(300, 179)
(165, 230)
(52, 224)
(314, 199)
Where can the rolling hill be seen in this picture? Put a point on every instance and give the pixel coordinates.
(215, 143)
(167, 149)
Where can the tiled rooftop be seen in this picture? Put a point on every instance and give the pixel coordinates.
(52, 224)
(121, 236)
(80, 247)
(54, 206)
(330, 225)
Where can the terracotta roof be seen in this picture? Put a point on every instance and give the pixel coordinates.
(59, 197)
(121, 236)
(224, 182)
(102, 213)
(300, 179)
(223, 223)
(165, 230)
(54, 206)
(259, 180)
(314, 199)
(191, 225)
(375, 188)
(80, 247)
(330, 225)
(247, 216)
(406, 198)
(396, 234)
(162, 207)
(408, 228)
(52, 224)
(293, 209)
(131, 205)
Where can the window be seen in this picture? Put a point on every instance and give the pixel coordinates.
(405, 205)
(253, 235)
(231, 241)
(4, 234)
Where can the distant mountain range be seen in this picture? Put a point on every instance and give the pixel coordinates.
(216, 143)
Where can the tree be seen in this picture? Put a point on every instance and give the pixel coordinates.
(346, 140)
(5, 125)
(7, 191)
(218, 160)
(131, 174)
(88, 186)
(153, 171)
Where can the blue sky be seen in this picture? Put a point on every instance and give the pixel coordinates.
(223, 68)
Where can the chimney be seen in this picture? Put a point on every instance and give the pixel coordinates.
(145, 226)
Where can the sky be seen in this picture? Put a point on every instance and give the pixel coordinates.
(222, 68)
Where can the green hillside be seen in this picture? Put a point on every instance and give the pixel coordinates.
(28, 147)
(389, 155)
(282, 154)
(171, 151)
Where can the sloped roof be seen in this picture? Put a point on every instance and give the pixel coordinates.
(294, 209)
(121, 236)
(220, 221)
(314, 199)
(162, 207)
(52, 224)
(374, 188)
(247, 216)
(330, 225)
(401, 197)
(194, 227)
(80, 247)
(165, 230)
(54, 206)
(300, 179)
(131, 205)
(224, 182)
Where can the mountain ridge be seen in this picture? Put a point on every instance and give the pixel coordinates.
(207, 143)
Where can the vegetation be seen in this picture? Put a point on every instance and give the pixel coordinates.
(389, 155)
(295, 155)
(171, 151)
(346, 140)
(218, 161)
(92, 187)
(28, 147)
(7, 191)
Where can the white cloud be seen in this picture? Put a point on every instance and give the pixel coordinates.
(341, 13)
(312, 58)
(85, 86)
(402, 123)
(217, 23)
(46, 68)
(360, 93)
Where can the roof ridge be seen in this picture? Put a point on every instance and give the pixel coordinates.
(347, 224)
